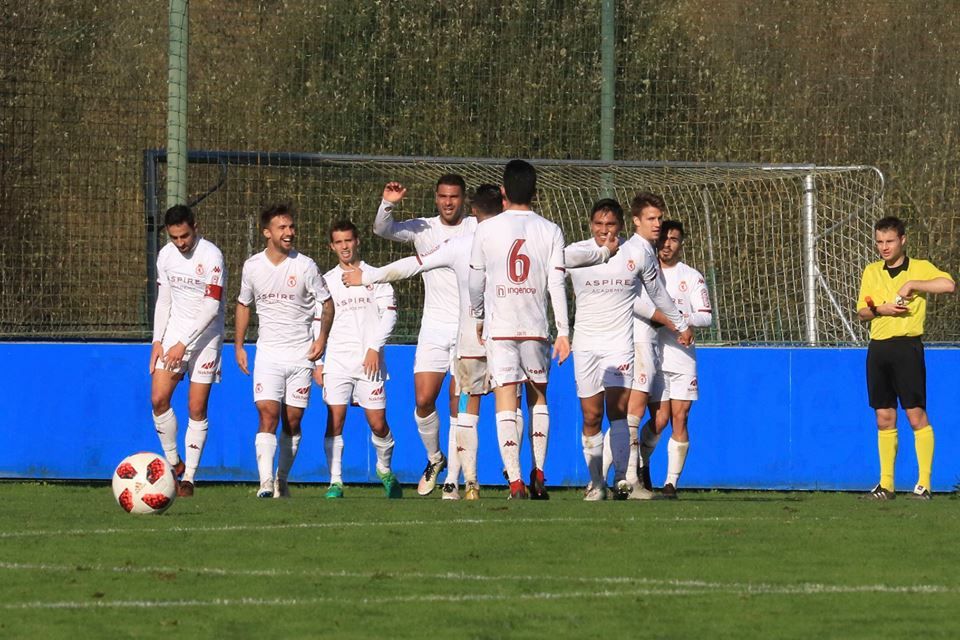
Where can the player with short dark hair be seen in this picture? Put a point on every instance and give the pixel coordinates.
(436, 343)
(675, 385)
(893, 299)
(354, 369)
(187, 337)
(295, 313)
(517, 257)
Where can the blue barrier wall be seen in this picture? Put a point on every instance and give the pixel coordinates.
(772, 418)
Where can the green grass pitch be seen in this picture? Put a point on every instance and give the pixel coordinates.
(710, 565)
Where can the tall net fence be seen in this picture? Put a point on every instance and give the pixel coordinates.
(83, 92)
(747, 226)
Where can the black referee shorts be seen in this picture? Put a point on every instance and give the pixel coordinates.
(896, 369)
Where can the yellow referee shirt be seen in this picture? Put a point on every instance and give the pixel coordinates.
(878, 285)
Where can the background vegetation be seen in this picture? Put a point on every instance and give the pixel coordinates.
(83, 93)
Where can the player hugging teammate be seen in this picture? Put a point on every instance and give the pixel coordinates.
(632, 337)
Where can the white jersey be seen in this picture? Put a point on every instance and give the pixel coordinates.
(689, 292)
(288, 297)
(363, 320)
(189, 279)
(643, 328)
(517, 256)
(605, 296)
(453, 254)
(440, 285)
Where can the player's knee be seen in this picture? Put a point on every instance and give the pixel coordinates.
(160, 402)
(198, 410)
(379, 428)
(886, 418)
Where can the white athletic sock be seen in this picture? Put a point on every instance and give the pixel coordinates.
(266, 447)
(193, 441)
(384, 447)
(676, 457)
(607, 455)
(429, 429)
(619, 448)
(509, 444)
(631, 475)
(467, 444)
(453, 456)
(289, 445)
(593, 455)
(520, 429)
(333, 447)
(539, 434)
(166, 426)
(648, 441)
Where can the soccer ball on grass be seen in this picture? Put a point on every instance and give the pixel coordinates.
(144, 483)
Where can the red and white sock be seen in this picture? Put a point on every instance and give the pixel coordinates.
(166, 426)
(266, 448)
(539, 434)
(467, 444)
(288, 447)
(509, 444)
(453, 456)
(384, 447)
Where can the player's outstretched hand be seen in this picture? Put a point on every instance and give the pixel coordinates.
(394, 192)
(241, 355)
(353, 278)
(371, 363)
(155, 352)
(561, 349)
(686, 337)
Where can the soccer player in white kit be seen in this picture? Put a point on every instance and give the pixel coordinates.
(436, 344)
(353, 367)
(647, 211)
(472, 377)
(471, 367)
(295, 313)
(603, 346)
(675, 387)
(187, 337)
(517, 256)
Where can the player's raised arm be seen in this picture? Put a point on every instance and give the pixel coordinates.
(385, 226)
(588, 254)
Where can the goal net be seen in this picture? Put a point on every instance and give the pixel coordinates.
(782, 247)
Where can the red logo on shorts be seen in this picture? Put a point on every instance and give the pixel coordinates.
(623, 367)
(199, 269)
(303, 391)
(208, 365)
(292, 281)
(378, 391)
(693, 384)
(258, 388)
(642, 378)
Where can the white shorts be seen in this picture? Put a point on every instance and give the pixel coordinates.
(472, 377)
(516, 361)
(674, 386)
(595, 371)
(282, 383)
(202, 363)
(436, 349)
(344, 390)
(646, 362)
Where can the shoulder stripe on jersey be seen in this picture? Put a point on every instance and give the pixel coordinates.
(417, 256)
(214, 291)
(391, 308)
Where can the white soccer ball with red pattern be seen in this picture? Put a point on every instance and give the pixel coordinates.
(144, 483)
